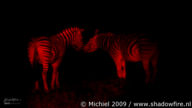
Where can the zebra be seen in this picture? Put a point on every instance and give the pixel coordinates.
(122, 48)
(50, 50)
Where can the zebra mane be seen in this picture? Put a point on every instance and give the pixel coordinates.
(71, 29)
(106, 34)
(102, 38)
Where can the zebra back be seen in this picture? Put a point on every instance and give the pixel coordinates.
(69, 37)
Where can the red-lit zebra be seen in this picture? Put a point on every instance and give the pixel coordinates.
(50, 50)
(122, 48)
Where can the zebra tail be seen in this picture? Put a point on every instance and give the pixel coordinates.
(31, 52)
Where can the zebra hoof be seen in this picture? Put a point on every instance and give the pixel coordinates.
(35, 90)
(52, 88)
(147, 81)
(57, 85)
(46, 90)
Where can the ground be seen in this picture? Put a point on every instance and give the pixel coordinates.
(71, 95)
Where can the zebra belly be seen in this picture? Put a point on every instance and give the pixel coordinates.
(134, 58)
(140, 54)
(133, 54)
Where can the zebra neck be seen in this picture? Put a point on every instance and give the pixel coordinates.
(111, 43)
(105, 42)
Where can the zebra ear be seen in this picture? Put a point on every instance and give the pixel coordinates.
(96, 31)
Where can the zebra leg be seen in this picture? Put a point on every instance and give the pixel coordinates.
(145, 63)
(154, 65)
(36, 85)
(57, 80)
(44, 76)
(55, 75)
(53, 78)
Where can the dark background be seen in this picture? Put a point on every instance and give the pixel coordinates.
(173, 81)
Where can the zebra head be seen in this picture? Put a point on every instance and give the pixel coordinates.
(92, 45)
(77, 42)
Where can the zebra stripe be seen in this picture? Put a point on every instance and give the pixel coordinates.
(50, 50)
(122, 48)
